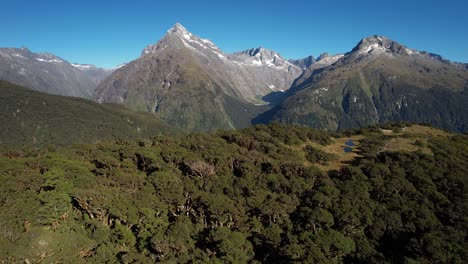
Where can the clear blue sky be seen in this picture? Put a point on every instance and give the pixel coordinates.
(107, 33)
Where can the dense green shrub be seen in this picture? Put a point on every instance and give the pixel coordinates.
(234, 197)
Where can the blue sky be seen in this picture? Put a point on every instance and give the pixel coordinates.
(107, 33)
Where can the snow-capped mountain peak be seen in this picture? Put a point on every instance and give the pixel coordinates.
(381, 45)
(188, 39)
(180, 30)
(261, 57)
(49, 73)
(179, 55)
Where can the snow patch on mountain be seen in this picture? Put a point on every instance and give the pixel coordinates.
(49, 60)
(82, 66)
(246, 72)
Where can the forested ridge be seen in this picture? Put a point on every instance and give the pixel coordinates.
(265, 194)
(31, 118)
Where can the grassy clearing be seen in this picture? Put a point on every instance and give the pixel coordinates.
(425, 131)
(409, 139)
(336, 148)
(407, 144)
(412, 138)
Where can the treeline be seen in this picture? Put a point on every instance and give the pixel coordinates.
(248, 196)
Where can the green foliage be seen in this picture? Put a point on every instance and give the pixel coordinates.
(314, 155)
(229, 246)
(54, 196)
(234, 197)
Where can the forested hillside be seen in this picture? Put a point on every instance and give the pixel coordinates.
(265, 194)
(31, 118)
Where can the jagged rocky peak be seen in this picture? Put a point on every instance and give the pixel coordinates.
(253, 52)
(25, 55)
(17, 53)
(323, 56)
(380, 44)
(261, 52)
(326, 59)
(22, 50)
(179, 30)
(49, 73)
(304, 63)
(261, 56)
(182, 36)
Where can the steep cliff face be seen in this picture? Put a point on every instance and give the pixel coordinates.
(304, 63)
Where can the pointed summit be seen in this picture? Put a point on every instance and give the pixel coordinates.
(255, 51)
(261, 52)
(304, 63)
(177, 28)
(323, 56)
(380, 44)
(180, 31)
(178, 37)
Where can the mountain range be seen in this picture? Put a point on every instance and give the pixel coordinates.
(190, 83)
(380, 80)
(48, 73)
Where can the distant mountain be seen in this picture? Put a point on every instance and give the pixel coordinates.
(323, 61)
(380, 80)
(304, 63)
(190, 83)
(34, 118)
(48, 73)
(261, 71)
(96, 74)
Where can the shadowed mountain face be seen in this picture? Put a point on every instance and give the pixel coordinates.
(190, 83)
(380, 80)
(304, 63)
(323, 61)
(48, 73)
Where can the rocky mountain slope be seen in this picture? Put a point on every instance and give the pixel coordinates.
(48, 73)
(304, 63)
(380, 80)
(323, 61)
(190, 83)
